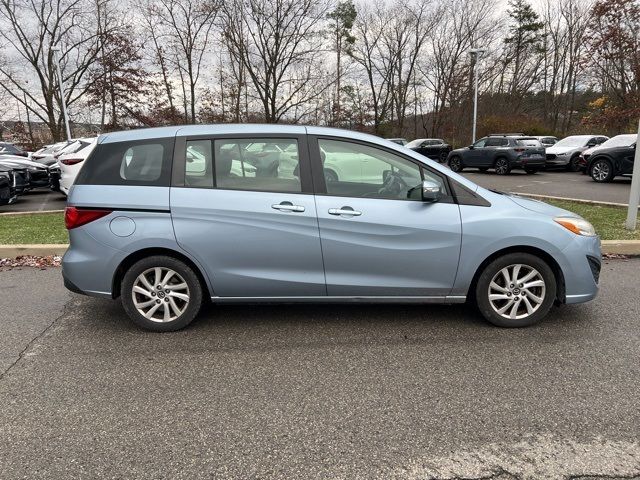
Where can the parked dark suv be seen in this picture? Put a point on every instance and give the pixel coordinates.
(502, 153)
(606, 163)
(433, 148)
(7, 187)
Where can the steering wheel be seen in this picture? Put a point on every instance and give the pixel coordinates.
(393, 186)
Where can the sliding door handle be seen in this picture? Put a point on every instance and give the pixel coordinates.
(344, 211)
(288, 207)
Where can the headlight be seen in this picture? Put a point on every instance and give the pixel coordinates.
(579, 226)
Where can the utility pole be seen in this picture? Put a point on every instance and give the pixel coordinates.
(56, 54)
(634, 195)
(26, 106)
(475, 53)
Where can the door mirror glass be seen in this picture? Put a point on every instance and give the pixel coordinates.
(431, 191)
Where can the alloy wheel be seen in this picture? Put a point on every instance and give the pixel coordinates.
(600, 170)
(454, 164)
(516, 291)
(501, 166)
(160, 294)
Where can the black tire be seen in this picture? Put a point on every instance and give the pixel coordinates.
(547, 292)
(601, 171)
(443, 156)
(502, 166)
(531, 171)
(483, 169)
(194, 293)
(573, 166)
(455, 164)
(330, 176)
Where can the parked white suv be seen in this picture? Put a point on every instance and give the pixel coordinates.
(71, 158)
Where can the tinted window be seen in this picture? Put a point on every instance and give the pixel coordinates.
(355, 170)
(146, 162)
(198, 168)
(496, 142)
(528, 142)
(257, 164)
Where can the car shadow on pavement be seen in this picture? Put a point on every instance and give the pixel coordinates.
(290, 326)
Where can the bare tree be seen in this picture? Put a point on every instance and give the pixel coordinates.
(461, 25)
(32, 28)
(185, 26)
(278, 43)
(566, 23)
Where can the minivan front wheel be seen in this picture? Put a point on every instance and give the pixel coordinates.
(516, 290)
(161, 293)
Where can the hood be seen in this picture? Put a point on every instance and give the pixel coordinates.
(22, 163)
(463, 149)
(540, 207)
(560, 150)
(589, 151)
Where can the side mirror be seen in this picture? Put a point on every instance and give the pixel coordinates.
(431, 191)
(471, 147)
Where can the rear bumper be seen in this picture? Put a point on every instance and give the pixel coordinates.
(528, 163)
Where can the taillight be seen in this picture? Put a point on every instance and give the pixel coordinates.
(71, 161)
(76, 217)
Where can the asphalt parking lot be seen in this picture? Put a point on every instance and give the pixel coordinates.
(330, 391)
(38, 200)
(555, 183)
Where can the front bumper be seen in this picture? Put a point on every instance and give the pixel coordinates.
(557, 161)
(581, 276)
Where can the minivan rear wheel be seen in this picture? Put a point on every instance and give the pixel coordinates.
(161, 293)
(516, 290)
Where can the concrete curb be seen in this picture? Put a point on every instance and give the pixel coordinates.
(621, 247)
(31, 212)
(616, 247)
(569, 199)
(39, 250)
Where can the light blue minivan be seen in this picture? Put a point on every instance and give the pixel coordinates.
(168, 217)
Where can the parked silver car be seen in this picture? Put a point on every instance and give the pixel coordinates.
(147, 226)
(566, 152)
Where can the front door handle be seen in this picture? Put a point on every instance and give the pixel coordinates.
(288, 207)
(344, 211)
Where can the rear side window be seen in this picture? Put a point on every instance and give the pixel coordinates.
(257, 164)
(144, 163)
(496, 142)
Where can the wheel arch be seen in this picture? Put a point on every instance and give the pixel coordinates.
(600, 156)
(133, 257)
(549, 260)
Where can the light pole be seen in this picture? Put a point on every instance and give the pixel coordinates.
(56, 55)
(634, 194)
(478, 53)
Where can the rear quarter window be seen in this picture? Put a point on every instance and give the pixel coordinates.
(144, 163)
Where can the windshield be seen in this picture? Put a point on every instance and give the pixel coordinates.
(619, 141)
(415, 143)
(528, 142)
(573, 141)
